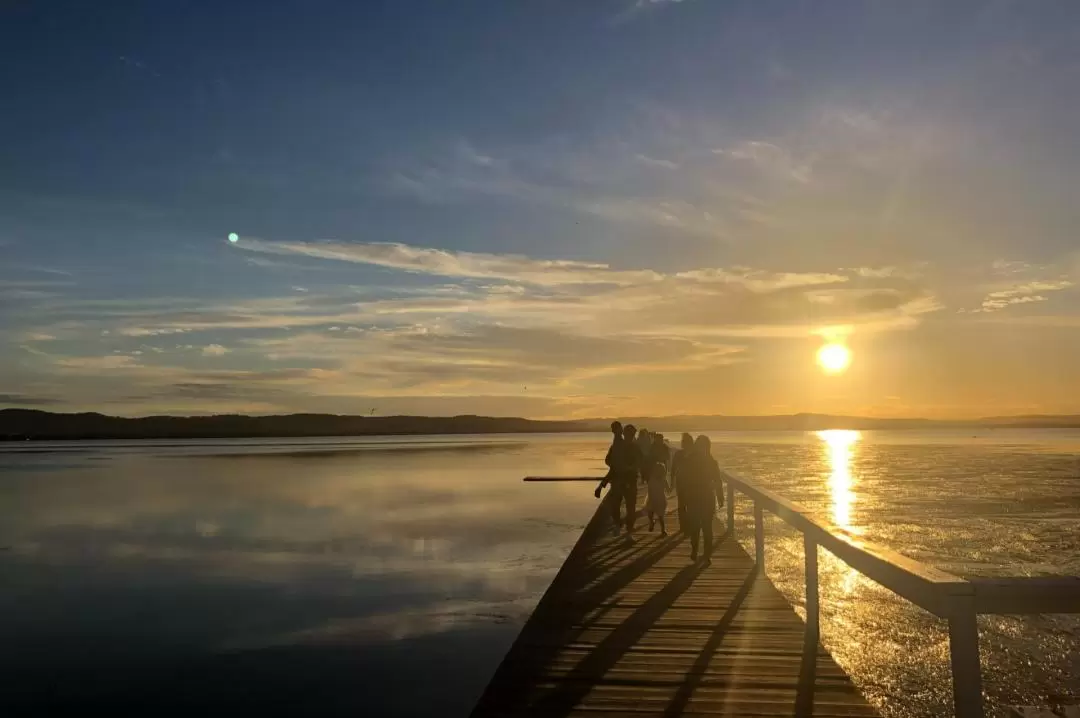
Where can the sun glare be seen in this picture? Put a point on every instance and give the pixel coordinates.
(834, 358)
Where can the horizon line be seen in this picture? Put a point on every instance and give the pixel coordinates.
(637, 417)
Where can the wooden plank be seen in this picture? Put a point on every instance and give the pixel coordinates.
(636, 628)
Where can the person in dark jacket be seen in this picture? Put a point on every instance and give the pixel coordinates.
(616, 437)
(644, 445)
(624, 462)
(678, 462)
(701, 482)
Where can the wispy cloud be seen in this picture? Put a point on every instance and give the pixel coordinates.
(1026, 293)
(886, 272)
(16, 399)
(605, 184)
(38, 269)
(762, 281)
(656, 162)
(444, 263)
(528, 292)
(474, 156)
(769, 158)
(496, 324)
(557, 326)
(151, 331)
(92, 364)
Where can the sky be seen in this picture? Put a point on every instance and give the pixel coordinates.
(542, 209)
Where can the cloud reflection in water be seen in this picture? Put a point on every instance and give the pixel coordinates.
(146, 559)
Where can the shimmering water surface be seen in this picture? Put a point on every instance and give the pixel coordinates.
(389, 576)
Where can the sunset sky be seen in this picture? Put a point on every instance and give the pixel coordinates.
(546, 209)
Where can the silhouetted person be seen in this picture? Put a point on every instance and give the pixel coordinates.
(656, 504)
(678, 462)
(701, 482)
(660, 452)
(616, 437)
(622, 461)
(644, 444)
(625, 462)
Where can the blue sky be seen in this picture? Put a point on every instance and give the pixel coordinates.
(541, 209)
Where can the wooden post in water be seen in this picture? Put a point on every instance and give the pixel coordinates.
(964, 653)
(812, 606)
(759, 537)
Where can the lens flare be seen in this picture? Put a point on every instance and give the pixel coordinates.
(234, 237)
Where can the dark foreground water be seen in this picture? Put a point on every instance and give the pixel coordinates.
(387, 577)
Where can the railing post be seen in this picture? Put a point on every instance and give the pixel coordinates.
(812, 606)
(730, 508)
(759, 537)
(964, 654)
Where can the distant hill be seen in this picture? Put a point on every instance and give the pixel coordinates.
(21, 424)
(783, 422)
(18, 424)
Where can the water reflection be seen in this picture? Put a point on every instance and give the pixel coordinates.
(222, 565)
(840, 445)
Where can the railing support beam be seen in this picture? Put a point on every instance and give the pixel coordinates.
(964, 654)
(813, 610)
(730, 508)
(759, 537)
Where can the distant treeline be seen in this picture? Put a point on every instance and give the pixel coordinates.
(31, 424)
(21, 424)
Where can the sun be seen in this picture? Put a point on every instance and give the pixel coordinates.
(834, 358)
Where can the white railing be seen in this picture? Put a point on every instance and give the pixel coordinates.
(955, 599)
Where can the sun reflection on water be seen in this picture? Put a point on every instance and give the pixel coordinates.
(840, 445)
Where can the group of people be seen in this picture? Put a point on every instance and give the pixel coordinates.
(645, 457)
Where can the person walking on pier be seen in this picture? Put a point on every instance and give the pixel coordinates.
(655, 471)
(678, 463)
(660, 451)
(644, 445)
(616, 437)
(656, 505)
(701, 482)
(624, 462)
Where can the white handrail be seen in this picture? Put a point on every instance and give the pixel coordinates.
(945, 595)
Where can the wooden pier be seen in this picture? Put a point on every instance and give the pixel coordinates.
(637, 629)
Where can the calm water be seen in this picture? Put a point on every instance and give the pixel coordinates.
(389, 576)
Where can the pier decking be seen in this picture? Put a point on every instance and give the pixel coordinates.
(637, 629)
